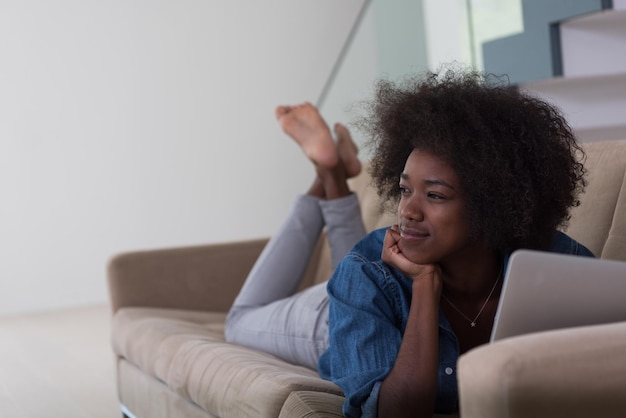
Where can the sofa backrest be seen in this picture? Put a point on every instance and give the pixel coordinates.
(599, 222)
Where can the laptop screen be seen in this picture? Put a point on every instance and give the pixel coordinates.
(544, 291)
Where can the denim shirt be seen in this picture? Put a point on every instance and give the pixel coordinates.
(369, 309)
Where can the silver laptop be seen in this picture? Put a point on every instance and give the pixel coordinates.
(545, 291)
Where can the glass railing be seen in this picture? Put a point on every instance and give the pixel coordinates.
(392, 39)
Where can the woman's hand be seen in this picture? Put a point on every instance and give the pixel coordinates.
(392, 255)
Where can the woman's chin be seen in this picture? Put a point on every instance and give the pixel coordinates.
(415, 256)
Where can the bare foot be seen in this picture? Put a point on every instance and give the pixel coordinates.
(305, 125)
(347, 150)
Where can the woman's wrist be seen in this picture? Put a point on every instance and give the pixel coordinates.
(427, 283)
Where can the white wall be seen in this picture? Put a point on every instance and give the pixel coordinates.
(149, 123)
(143, 124)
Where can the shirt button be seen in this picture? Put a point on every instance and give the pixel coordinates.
(449, 371)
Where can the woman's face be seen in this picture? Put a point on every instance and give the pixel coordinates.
(431, 213)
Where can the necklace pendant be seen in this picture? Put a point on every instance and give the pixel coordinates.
(473, 324)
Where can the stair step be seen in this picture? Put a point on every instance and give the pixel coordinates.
(594, 44)
(595, 106)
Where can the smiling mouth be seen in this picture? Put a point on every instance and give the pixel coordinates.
(411, 234)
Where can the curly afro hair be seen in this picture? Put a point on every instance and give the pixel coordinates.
(518, 160)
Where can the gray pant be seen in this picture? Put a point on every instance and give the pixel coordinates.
(266, 314)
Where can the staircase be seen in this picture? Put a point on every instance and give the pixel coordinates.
(572, 53)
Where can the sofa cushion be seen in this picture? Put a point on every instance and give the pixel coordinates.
(599, 222)
(143, 396)
(186, 350)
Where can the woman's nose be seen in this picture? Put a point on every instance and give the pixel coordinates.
(411, 209)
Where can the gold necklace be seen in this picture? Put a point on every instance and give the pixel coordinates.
(470, 320)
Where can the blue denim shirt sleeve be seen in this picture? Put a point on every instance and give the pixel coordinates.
(361, 315)
(565, 245)
(370, 407)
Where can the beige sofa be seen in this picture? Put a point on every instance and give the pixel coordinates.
(169, 307)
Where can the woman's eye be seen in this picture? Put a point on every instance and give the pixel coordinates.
(403, 190)
(435, 196)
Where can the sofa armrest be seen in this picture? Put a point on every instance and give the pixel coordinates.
(574, 372)
(206, 277)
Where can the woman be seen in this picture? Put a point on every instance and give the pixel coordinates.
(476, 170)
